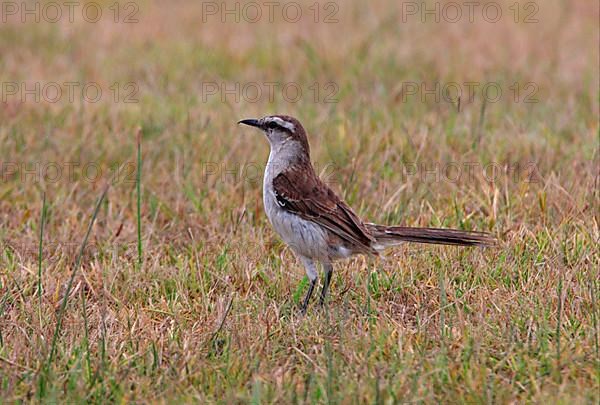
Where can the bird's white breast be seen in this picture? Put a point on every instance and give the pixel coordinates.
(306, 238)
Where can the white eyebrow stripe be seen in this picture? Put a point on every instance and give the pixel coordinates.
(286, 124)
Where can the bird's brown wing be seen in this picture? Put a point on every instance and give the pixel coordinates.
(301, 192)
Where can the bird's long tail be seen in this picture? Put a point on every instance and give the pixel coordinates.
(394, 235)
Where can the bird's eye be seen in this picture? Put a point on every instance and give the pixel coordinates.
(272, 125)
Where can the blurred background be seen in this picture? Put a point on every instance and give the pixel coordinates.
(480, 115)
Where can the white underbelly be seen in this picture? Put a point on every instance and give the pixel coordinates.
(304, 237)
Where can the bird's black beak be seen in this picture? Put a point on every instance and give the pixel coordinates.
(250, 122)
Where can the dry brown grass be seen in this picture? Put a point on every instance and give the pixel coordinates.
(516, 323)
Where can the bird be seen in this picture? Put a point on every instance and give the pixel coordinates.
(318, 225)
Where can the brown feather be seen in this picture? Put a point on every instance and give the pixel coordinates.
(390, 235)
(299, 190)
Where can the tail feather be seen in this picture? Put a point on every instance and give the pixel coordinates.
(394, 235)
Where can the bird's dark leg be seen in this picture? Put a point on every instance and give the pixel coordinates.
(311, 272)
(308, 295)
(328, 268)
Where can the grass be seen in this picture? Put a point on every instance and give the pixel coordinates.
(138, 185)
(172, 285)
(43, 375)
(40, 256)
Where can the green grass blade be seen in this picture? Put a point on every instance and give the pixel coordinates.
(138, 181)
(41, 248)
(86, 337)
(63, 305)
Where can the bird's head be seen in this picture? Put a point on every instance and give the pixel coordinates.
(282, 131)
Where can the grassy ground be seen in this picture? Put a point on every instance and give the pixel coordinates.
(208, 312)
